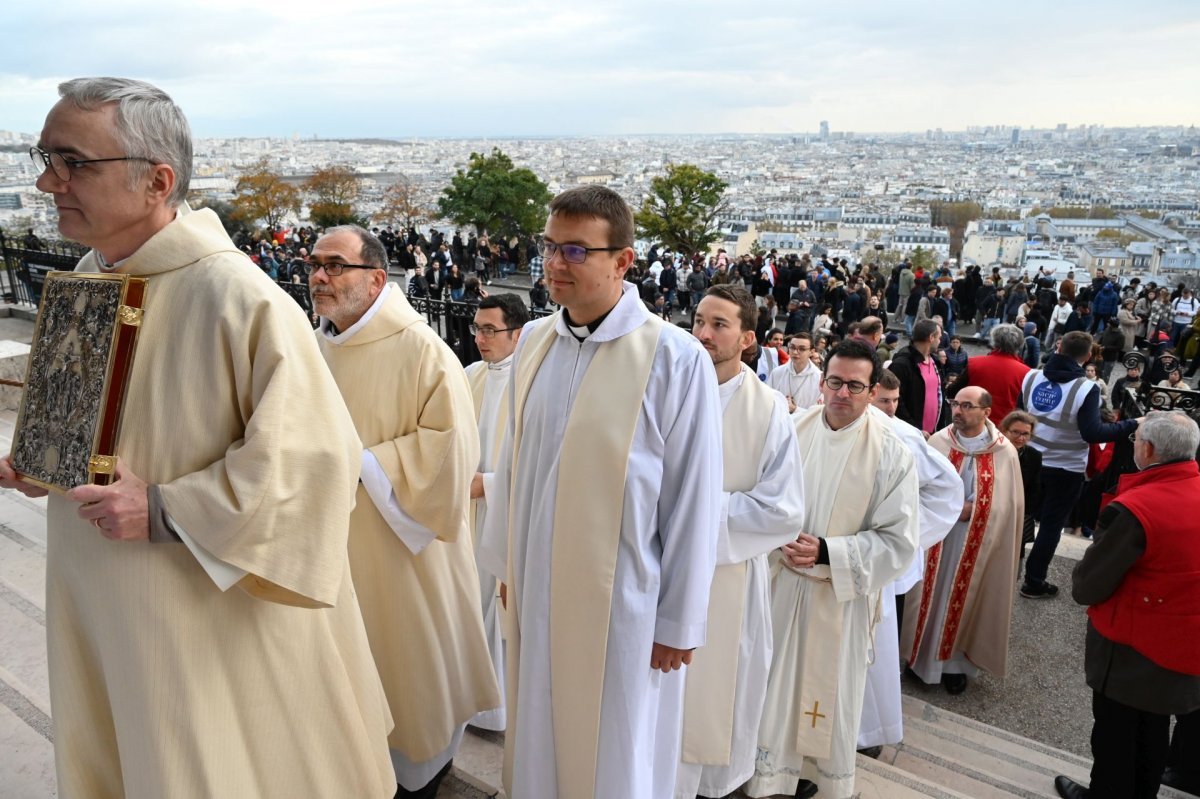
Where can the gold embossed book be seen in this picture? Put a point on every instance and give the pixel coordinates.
(78, 374)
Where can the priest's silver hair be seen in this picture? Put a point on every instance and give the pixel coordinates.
(1174, 435)
(149, 125)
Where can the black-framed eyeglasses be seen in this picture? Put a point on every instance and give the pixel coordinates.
(334, 269)
(853, 386)
(571, 253)
(61, 166)
(966, 406)
(490, 332)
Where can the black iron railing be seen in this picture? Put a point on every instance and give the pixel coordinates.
(26, 267)
(25, 270)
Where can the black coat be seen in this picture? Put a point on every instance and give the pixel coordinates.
(906, 366)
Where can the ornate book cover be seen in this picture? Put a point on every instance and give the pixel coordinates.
(79, 364)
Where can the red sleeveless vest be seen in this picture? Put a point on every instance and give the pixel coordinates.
(1156, 609)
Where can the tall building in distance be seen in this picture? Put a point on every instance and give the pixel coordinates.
(1016, 136)
(824, 130)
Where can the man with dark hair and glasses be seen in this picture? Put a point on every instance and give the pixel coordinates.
(956, 621)
(860, 532)
(497, 328)
(209, 582)
(411, 553)
(604, 520)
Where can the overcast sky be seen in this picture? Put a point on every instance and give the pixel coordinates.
(396, 68)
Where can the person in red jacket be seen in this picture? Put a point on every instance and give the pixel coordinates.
(1141, 581)
(999, 373)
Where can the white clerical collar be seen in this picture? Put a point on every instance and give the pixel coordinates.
(332, 335)
(501, 366)
(626, 316)
(105, 266)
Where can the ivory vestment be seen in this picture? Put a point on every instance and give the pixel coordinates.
(489, 389)
(822, 618)
(667, 507)
(412, 408)
(762, 509)
(803, 387)
(162, 684)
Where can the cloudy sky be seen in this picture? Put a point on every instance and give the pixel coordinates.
(400, 68)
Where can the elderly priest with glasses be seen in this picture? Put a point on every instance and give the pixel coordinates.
(859, 533)
(411, 552)
(203, 634)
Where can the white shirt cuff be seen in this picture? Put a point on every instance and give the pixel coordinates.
(221, 573)
(379, 489)
(489, 484)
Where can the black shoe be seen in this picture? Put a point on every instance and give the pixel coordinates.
(806, 789)
(1069, 789)
(872, 752)
(429, 790)
(955, 683)
(1042, 590)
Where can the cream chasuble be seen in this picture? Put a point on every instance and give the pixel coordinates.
(823, 617)
(763, 509)
(163, 685)
(604, 519)
(489, 389)
(963, 607)
(421, 611)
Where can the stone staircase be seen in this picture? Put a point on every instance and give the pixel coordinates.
(943, 756)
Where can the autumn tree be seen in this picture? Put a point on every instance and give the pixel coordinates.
(261, 195)
(954, 217)
(333, 191)
(683, 208)
(496, 197)
(402, 205)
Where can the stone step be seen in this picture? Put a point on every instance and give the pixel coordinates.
(979, 760)
(943, 756)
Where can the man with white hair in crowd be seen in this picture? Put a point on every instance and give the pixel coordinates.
(1138, 580)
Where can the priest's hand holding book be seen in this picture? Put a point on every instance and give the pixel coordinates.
(119, 510)
(8, 479)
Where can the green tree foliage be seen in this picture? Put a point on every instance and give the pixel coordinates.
(923, 259)
(261, 195)
(683, 208)
(334, 190)
(495, 197)
(954, 217)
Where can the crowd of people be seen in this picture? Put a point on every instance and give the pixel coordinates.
(697, 560)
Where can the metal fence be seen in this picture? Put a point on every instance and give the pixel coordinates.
(25, 270)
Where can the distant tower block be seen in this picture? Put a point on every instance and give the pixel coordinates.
(824, 130)
(1016, 136)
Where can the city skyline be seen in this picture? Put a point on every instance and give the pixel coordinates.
(462, 69)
